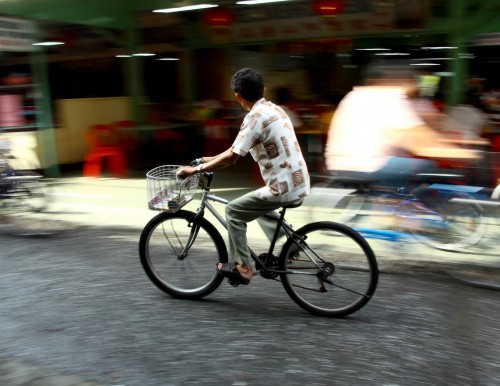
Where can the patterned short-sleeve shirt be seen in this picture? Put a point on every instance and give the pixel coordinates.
(268, 134)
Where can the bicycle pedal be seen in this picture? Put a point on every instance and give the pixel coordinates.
(233, 282)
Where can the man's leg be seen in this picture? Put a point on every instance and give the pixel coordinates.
(400, 170)
(239, 212)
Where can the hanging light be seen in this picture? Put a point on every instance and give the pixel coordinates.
(328, 7)
(218, 17)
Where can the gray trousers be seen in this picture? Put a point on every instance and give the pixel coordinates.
(241, 211)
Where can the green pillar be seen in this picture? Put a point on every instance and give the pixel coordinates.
(187, 74)
(44, 120)
(135, 73)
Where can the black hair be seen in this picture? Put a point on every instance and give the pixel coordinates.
(248, 83)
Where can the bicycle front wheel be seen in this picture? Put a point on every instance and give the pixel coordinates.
(179, 254)
(448, 225)
(334, 273)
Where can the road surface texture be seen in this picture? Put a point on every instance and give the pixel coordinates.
(76, 308)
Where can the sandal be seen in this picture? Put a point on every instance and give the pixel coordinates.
(230, 271)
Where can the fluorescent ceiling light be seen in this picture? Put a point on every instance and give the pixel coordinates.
(424, 59)
(168, 59)
(144, 54)
(424, 64)
(439, 48)
(252, 2)
(373, 49)
(123, 56)
(185, 8)
(392, 54)
(48, 44)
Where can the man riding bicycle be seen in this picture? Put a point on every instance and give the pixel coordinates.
(268, 135)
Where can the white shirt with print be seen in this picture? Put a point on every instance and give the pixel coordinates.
(268, 134)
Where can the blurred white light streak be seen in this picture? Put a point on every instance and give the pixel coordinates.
(439, 48)
(424, 59)
(53, 43)
(373, 49)
(392, 54)
(185, 8)
(252, 2)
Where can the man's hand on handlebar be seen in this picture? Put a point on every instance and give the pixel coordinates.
(196, 162)
(187, 171)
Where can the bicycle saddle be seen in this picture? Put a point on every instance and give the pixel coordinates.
(293, 204)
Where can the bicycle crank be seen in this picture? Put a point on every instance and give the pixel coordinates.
(268, 262)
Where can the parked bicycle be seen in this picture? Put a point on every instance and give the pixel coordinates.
(440, 215)
(327, 268)
(20, 191)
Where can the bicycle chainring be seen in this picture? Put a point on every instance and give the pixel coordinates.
(270, 262)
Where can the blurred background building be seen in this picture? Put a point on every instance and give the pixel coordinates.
(81, 79)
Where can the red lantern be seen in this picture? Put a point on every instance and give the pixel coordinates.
(218, 17)
(328, 7)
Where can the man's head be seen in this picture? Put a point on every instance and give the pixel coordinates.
(249, 84)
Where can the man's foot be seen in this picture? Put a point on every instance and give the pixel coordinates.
(241, 274)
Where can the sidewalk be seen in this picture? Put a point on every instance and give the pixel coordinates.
(121, 203)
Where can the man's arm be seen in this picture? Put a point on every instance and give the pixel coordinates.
(211, 164)
(423, 141)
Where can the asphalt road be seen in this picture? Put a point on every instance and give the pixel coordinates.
(77, 309)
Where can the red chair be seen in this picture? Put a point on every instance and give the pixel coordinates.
(104, 146)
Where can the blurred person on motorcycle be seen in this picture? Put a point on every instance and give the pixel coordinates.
(377, 132)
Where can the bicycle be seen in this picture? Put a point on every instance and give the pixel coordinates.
(326, 268)
(20, 191)
(442, 216)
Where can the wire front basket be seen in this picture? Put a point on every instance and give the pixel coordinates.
(166, 191)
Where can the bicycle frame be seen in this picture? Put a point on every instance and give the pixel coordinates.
(206, 180)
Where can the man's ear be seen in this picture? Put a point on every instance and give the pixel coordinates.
(242, 101)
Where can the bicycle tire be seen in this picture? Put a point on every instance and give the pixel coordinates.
(25, 196)
(192, 276)
(353, 268)
(36, 197)
(447, 225)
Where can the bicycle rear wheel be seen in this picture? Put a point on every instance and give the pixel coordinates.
(334, 273)
(180, 256)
